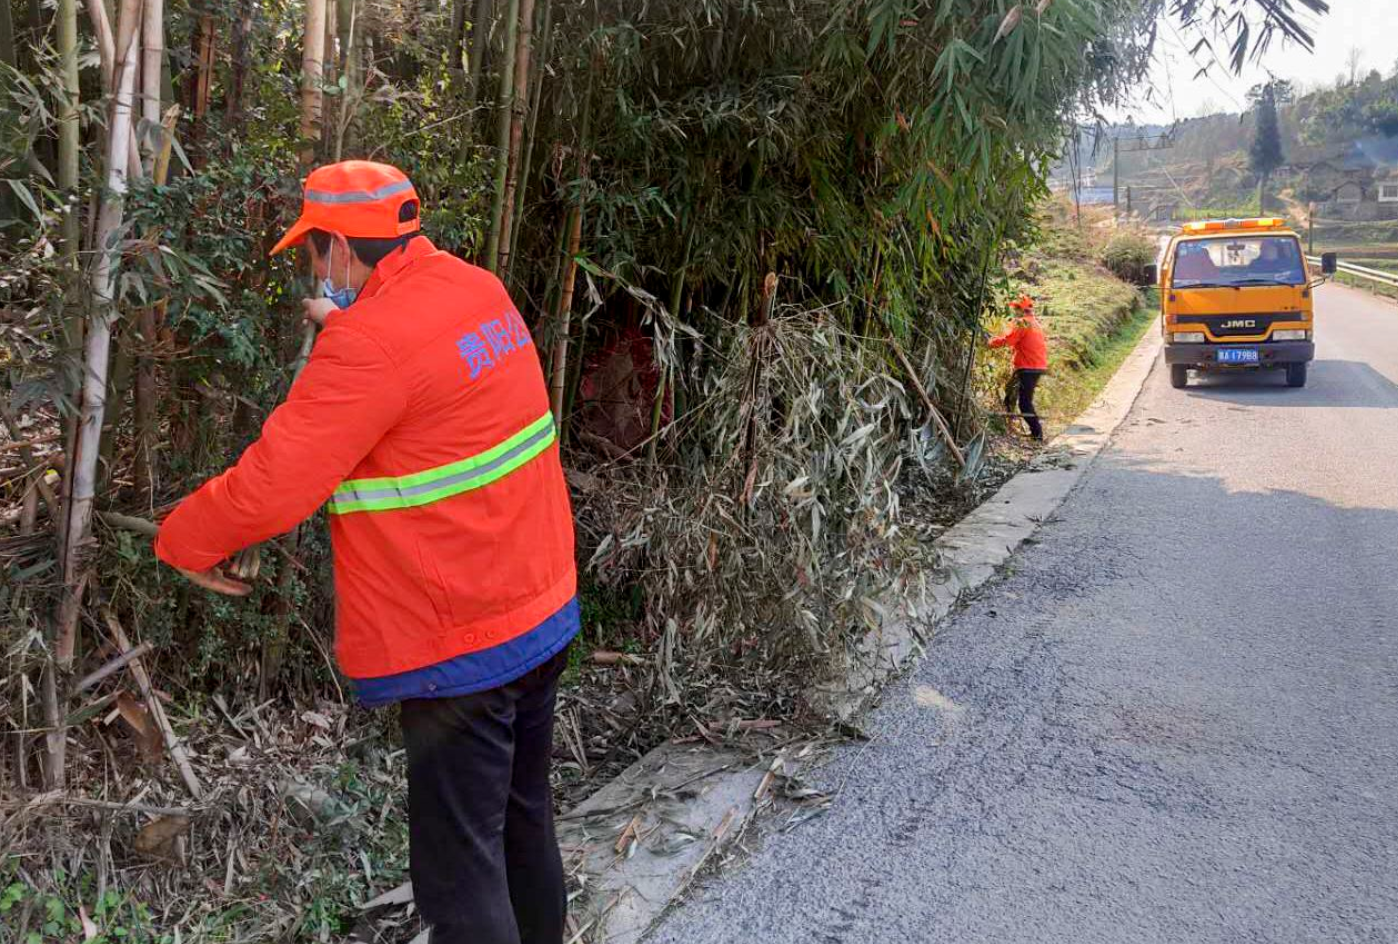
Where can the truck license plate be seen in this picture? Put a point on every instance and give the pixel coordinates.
(1238, 356)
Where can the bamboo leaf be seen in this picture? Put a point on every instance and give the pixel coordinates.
(25, 197)
(179, 152)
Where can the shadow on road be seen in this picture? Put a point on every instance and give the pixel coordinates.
(1331, 384)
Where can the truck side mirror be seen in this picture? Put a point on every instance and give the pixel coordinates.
(1151, 275)
(1329, 263)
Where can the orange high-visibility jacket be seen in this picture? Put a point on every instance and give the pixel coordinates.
(1027, 338)
(422, 416)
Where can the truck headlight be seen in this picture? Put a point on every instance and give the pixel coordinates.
(1188, 337)
(1291, 334)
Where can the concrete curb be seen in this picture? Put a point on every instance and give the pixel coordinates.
(685, 802)
(642, 838)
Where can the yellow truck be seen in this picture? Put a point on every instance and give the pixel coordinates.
(1238, 294)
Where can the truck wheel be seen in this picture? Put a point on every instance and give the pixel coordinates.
(1179, 376)
(1296, 375)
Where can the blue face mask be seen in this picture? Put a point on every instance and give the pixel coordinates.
(339, 297)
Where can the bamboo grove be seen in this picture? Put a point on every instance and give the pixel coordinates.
(756, 239)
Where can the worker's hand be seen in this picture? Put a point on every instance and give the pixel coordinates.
(316, 310)
(216, 580)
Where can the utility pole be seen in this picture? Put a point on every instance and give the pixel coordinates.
(1116, 174)
(1164, 143)
(1075, 162)
(1310, 228)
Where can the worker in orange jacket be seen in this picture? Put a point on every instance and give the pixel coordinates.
(422, 422)
(1030, 345)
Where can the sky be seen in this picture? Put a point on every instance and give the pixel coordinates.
(1371, 26)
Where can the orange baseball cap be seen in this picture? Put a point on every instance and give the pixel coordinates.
(1023, 303)
(354, 198)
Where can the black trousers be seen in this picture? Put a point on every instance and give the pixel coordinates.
(484, 858)
(1021, 387)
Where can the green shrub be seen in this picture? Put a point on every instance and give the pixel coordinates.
(1127, 254)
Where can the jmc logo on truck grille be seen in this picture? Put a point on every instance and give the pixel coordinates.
(1244, 325)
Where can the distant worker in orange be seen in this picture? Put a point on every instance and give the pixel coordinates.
(1031, 362)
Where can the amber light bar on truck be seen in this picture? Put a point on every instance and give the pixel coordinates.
(1216, 226)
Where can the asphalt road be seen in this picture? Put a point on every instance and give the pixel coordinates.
(1175, 719)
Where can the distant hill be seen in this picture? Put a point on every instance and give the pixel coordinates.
(1340, 144)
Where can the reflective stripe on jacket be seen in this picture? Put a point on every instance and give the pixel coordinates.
(423, 418)
(1029, 343)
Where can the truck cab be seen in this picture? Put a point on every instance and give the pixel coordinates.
(1237, 295)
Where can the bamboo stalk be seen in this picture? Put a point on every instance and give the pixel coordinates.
(526, 168)
(237, 79)
(312, 56)
(35, 21)
(564, 316)
(152, 55)
(274, 644)
(349, 54)
(112, 667)
(963, 412)
(502, 138)
(558, 380)
(56, 740)
(29, 504)
(332, 106)
(7, 36)
(127, 31)
(456, 46)
(98, 347)
(153, 705)
(205, 72)
(519, 105)
(113, 805)
(106, 43)
(666, 380)
(476, 52)
(932, 410)
(198, 79)
(555, 280)
(118, 384)
(657, 410)
(147, 325)
(129, 523)
(69, 147)
(108, 53)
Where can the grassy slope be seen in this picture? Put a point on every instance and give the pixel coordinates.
(1082, 385)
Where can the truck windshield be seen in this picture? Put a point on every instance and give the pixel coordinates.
(1234, 261)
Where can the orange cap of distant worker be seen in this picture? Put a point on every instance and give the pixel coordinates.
(1023, 303)
(355, 198)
